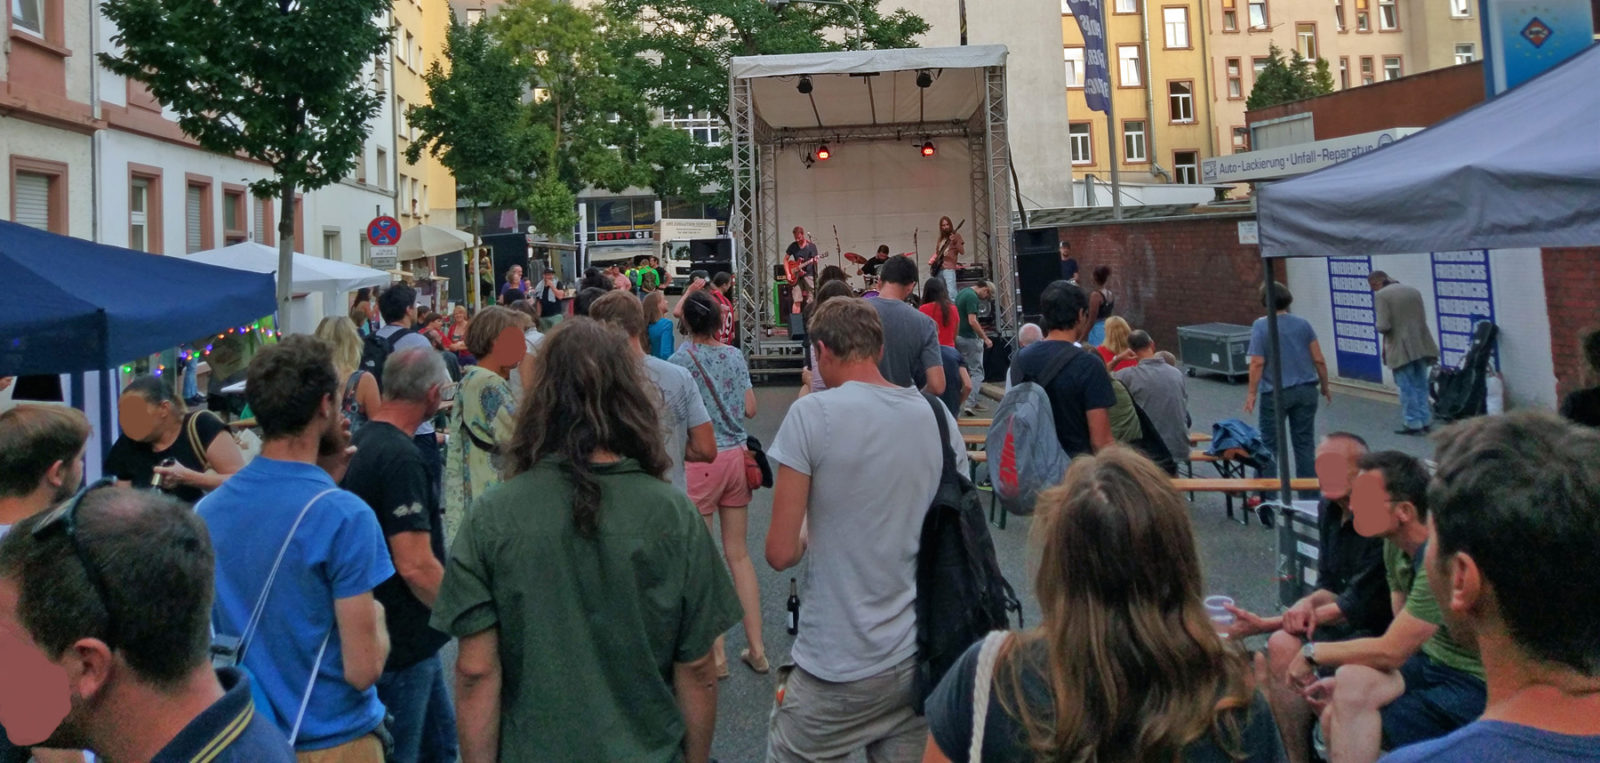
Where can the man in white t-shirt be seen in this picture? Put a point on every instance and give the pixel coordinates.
(685, 422)
(858, 465)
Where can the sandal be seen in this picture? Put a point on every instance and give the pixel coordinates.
(758, 664)
(722, 671)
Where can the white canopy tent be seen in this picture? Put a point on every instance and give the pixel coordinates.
(330, 279)
(1521, 170)
(869, 109)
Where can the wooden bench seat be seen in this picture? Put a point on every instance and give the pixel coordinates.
(975, 423)
(1239, 485)
(1195, 438)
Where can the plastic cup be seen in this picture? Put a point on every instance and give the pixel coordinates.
(1217, 610)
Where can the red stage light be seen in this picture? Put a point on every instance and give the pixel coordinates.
(823, 153)
(927, 148)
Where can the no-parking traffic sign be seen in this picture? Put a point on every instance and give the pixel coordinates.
(383, 231)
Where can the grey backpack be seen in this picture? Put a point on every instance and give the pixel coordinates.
(1024, 454)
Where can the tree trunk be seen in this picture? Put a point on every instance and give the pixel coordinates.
(286, 259)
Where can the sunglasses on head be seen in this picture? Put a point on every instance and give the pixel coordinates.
(64, 519)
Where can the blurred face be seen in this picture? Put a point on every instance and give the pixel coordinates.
(509, 348)
(141, 419)
(515, 276)
(1336, 467)
(1371, 505)
(36, 695)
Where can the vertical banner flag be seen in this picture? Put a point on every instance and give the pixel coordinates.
(1522, 38)
(1463, 295)
(1096, 81)
(1355, 332)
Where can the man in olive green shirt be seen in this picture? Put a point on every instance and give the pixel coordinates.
(595, 640)
(971, 339)
(1417, 681)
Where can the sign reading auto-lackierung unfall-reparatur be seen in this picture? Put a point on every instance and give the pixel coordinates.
(1522, 38)
(1298, 159)
(1096, 80)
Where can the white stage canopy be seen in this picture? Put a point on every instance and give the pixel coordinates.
(873, 87)
(1522, 170)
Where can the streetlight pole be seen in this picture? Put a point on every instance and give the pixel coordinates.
(860, 28)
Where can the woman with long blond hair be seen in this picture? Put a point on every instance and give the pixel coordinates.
(1126, 665)
(360, 397)
(1115, 350)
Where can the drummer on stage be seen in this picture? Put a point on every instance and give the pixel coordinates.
(947, 255)
(870, 267)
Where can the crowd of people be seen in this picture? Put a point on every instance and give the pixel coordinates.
(549, 494)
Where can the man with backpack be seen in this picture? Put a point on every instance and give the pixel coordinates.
(1029, 451)
(398, 306)
(859, 465)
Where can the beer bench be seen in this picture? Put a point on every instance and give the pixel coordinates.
(1228, 486)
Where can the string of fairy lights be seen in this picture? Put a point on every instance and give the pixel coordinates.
(255, 330)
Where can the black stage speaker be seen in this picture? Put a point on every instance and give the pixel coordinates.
(1038, 264)
(997, 358)
(713, 255)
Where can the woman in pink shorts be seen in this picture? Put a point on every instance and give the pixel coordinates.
(720, 487)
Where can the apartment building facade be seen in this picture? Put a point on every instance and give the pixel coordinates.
(47, 115)
(425, 192)
(1156, 60)
(1363, 41)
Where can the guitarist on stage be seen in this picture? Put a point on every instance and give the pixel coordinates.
(800, 266)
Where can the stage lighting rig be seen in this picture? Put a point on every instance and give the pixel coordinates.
(927, 149)
(823, 154)
(805, 85)
(924, 79)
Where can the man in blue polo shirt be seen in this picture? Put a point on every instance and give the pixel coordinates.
(319, 642)
(114, 591)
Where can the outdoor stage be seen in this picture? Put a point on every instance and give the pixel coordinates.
(873, 110)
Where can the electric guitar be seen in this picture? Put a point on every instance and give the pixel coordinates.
(792, 268)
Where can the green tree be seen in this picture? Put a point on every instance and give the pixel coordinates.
(1292, 79)
(279, 82)
(683, 48)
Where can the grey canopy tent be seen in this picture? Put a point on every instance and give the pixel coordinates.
(1519, 171)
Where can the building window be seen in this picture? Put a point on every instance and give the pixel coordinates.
(39, 194)
(1466, 52)
(1082, 147)
(1235, 79)
(330, 243)
(1257, 65)
(1305, 40)
(264, 231)
(1363, 19)
(1391, 68)
(1073, 57)
(1338, 14)
(1127, 6)
(196, 217)
(1241, 139)
(144, 209)
(1128, 65)
(474, 15)
(410, 59)
(1186, 167)
(702, 126)
(1230, 16)
(1388, 15)
(1258, 14)
(233, 216)
(1460, 8)
(1133, 141)
(382, 168)
(1180, 100)
(1366, 70)
(1066, 10)
(28, 15)
(1177, 25)
(1344, 72)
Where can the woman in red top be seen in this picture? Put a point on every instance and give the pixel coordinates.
(1115, 350)
(936, 304)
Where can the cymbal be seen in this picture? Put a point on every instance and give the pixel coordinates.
(855, 258)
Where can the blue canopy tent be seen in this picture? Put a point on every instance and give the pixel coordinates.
(1520, 170)
(74, 306)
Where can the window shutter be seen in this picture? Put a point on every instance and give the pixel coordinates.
(193, 209)
(260, 219)
(32, 199)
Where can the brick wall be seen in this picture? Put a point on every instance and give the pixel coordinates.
(1573, 295)
(1174, 273)
(1418, 100)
